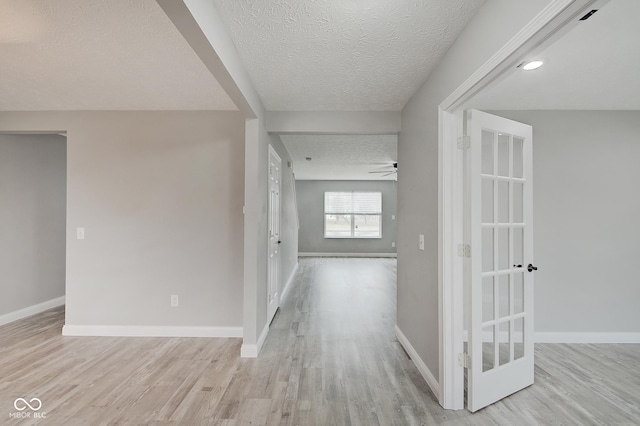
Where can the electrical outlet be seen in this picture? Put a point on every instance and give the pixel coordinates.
(393, 244)
(393, 217)
(174, 301)
(80, 233)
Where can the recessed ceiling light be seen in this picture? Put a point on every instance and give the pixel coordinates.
(532, 65)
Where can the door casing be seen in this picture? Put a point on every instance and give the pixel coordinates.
(273, 218)
(557, 18)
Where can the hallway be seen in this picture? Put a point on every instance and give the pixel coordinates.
(343, 361)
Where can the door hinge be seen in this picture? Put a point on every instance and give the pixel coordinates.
(464, 250)
(464, 360)
(464, 142)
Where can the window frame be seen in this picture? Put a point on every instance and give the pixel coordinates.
(352, 235)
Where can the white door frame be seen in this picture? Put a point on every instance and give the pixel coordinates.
(558, 17)
(273, 307)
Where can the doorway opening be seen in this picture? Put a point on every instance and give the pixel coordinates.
(339, 193)
(558, 18)
(33, 186)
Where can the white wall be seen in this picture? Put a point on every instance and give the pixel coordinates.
(32, 220)
(160, 195)
(586, 210)
(310, 195)
(256, 245)
(334, 122)
(203, 28)
(263, 229)
(494, 24)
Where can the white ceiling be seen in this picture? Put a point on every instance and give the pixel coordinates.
(99, 55)
(301, 55)
(596, 66)
(355, 55)
(341, 157)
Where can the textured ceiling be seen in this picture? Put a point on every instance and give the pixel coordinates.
(595, 66)
(356, 55)
(341, 157)
(99, 55)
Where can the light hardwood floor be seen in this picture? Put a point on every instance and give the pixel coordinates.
(331, 358)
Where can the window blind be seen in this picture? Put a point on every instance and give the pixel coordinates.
(353, 203)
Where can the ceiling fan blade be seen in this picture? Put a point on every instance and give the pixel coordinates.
(390, 166)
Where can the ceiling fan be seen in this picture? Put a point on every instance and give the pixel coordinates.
(390, 168)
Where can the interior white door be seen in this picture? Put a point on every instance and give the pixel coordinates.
(275, 173)
(501, 294)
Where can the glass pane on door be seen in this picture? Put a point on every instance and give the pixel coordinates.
(487, 152)
(518, 293)
(487, 299)
(503, 202)
(487, 250)
(518, 212)
(503, 249)
(503, 296)
(504, 345)
(518, 338)
(503, 154)
(487, 201)
(518, 161)
(488, 348)
(518, 247)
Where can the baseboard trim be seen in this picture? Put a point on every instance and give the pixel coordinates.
(568, 337)
(149, 331)
(287, 286)
(248, 351)
(422, 367)
(587, 337)
(31, 310)
(347, 254)
(252, 351)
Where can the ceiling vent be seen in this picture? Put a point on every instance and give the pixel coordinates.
(588, 15)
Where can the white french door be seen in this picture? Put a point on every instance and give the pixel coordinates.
(501, 295)
(275, 173)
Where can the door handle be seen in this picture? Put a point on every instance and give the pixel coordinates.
(532, 268)
(517, 266)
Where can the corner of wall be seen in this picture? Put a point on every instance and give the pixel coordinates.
(252, 351)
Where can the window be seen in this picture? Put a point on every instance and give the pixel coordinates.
(353, 214)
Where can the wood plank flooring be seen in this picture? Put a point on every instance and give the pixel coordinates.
(331, 358)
